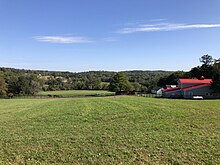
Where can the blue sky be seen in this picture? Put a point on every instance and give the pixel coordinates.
(71, 35)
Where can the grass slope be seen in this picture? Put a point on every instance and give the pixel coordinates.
(128, 130)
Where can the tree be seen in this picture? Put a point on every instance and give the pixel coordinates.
(55, 84)
(22, 84)
(93, 82)
(3, 86)
(216, 77)
(120, 83)
(216, 83)
(206, 59)
(196, 72)
(171, 79)
(207, 66)
(206, 69)
(217, 65)
(137, 87)
(12, 81)
(28, 84)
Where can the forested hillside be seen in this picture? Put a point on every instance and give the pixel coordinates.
(29, 82)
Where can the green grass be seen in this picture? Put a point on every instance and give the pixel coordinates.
(117, 130)
(77, 93)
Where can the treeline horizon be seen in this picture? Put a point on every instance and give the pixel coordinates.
(91, 80)
(58, 73)
(30, 82)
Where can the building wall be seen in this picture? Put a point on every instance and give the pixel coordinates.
(159, 92)
(189, 85)
(172, 94)
(205, 92)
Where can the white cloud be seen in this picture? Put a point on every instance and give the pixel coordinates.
(110, 39)
(158, 20)
(62, 39)
(165, 27)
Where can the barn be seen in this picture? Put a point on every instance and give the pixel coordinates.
(191, 88)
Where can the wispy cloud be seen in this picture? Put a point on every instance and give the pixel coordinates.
(110, 39)
(158, 20)
(165, 27)
(62, 39)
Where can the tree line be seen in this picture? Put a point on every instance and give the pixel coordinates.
(30, 82)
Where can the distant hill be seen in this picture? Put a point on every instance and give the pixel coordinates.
(147, 77)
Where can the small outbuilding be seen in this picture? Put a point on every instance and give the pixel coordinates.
(157, 90)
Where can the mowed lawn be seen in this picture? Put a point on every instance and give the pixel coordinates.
(69, 93)
(113, 130)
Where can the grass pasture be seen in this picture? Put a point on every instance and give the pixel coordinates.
(77, 93)
(111, 130)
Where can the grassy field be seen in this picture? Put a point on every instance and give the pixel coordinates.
(111, 130)
(77, 93)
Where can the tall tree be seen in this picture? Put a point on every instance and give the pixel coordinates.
(120, 83)
(207, 66)
(206, 59)
(206, 69)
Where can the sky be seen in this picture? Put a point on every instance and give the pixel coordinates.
(113, 35)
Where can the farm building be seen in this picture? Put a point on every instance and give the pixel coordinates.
(157, 90)
(191, 88)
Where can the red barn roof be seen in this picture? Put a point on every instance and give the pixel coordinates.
(195, 81)
(171, 89)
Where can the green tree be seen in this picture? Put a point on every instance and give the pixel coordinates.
(28, 84)
(137, 87)
(216, 65)
(216, 83)
(55, 84)
(206, 59)
(12, 81)
(3, 86)
(120, 83)
(216, 77)
(93, 82)
(206, 69)
(196, 72)
(171, 79)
